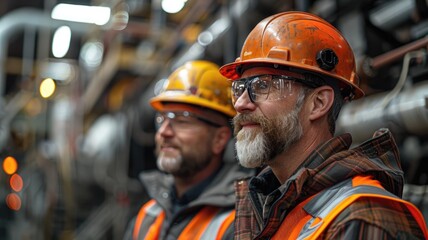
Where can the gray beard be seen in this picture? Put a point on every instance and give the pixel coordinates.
(256, 147)
(184, 165)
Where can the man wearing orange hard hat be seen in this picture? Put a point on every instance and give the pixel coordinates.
(294, 74)
(193, 193)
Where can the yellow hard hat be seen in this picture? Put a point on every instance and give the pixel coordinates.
(197, 83)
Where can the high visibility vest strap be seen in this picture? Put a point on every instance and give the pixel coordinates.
(293, 223)
(310, 218)
(228, 221)
(323, 217)
(149, 209)
(208, 222)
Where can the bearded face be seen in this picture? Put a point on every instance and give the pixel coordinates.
(256, 146)
(183, 160)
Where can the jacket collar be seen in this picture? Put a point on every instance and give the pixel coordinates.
(219, 192)
(331, 163)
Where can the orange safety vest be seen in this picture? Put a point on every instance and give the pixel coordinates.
(310, 218)
(208, 222)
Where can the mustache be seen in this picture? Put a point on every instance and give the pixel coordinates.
(242, 118)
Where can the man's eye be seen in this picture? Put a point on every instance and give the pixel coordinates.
(238, 89)
(261, 86)
(182, 120)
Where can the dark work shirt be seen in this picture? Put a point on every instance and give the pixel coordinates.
(191, 194)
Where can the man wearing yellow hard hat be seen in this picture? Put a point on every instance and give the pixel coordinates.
(193, 193)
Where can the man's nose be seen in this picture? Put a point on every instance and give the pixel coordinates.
(244, 103)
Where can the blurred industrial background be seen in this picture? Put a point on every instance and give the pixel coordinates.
(76, 127)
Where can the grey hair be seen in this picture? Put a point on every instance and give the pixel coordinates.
(334, 111)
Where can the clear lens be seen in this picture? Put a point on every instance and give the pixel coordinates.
(181, 120)
(178, 120)
(238, 88)
(263, 87)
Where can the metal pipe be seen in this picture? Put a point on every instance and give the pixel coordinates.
(369, 66)
(392, 13)
(407, 113)
(391, 56)
(24, 18)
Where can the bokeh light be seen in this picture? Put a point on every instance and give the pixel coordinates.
(47, 87)
(61, 41)
(10, 165)
(16, 182)
(13, 201)
(173, 6)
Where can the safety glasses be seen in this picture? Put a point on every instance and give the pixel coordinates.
(265, 87)
(183, 120)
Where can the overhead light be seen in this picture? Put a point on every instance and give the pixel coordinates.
(173, 6)
(61, 41)
(81, 13)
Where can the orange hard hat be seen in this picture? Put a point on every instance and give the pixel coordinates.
(300, 41)
(198, 83)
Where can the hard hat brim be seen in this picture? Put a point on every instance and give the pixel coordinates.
(158, 103)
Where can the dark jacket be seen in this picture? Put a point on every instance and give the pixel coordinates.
(219, 192)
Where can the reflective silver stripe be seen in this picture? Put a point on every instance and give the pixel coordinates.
(153, 210)
(322, 204)
(212, 229)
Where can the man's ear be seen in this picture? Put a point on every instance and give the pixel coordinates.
(221, 138)
(322, 100)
